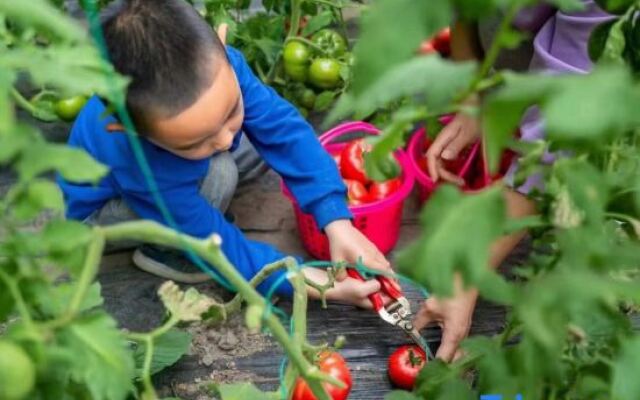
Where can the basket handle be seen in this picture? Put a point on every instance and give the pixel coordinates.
(347, 127)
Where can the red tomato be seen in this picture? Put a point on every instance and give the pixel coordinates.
(382, 190)
(334, 365)
(404, 365)
(352, 161)
(356, 192)
(427, 47)
(442, 42)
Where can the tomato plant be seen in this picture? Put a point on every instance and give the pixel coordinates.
(405, 364)
(283, 41)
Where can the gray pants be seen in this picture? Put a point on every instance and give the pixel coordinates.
(226, 173)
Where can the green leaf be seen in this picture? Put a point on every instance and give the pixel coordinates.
(54, 300)
(39, 195)
(167, 350)
(614, 45)
(324, 101)
(438, 79)
(244, 391)
(101, 359)
(64, 236)
(587, 99)
(6, 300)
(188, 305)
(391, 32)
(585, 187)
(14, 141)
(625, 384)
(73, 164)
(598, 39)
(40, 13)
(317, 22)
(400, 395)
(72, 69)
(449, 220)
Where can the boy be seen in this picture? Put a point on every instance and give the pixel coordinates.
(205, 120)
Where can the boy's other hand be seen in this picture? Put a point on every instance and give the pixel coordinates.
(348, 291)
(349, 244)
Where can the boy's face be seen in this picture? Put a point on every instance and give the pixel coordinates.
(209, 125)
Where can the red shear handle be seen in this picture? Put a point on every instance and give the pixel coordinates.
(375, 298)
(389, 287)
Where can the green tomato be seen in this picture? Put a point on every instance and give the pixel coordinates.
(296, 57)
(325, 73)
(69, 108)
(17, 372)
(307, 98)
(333, 43)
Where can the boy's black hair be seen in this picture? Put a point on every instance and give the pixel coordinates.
(166, 48)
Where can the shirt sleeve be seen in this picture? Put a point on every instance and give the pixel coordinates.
(289, 145)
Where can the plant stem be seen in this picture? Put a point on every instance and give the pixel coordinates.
(89, 271)
(294, 23)
(21, 305)
(22, 101)
(234, 304)
(494, 51)
(209, 250)
(146, 367)
(308, 43)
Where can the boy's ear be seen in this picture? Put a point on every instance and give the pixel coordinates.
(222, 33)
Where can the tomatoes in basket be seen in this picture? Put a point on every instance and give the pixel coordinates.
(405, 364)
(332, 364)
(357, 193)
(352, 161)
(382, 190)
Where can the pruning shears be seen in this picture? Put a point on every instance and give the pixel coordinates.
(397, 313)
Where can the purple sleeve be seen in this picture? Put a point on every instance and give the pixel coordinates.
(560, 47)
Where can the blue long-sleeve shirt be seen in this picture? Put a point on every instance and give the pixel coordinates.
(281, 136)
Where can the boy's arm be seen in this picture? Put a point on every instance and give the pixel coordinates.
(194, 216)
(289, 145)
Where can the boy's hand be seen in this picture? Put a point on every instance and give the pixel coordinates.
(349, 290)
(348, 244)
(454, 316)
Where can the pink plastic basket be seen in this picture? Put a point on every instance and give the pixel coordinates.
(474, 169)
(426, 186)
(379, 221)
